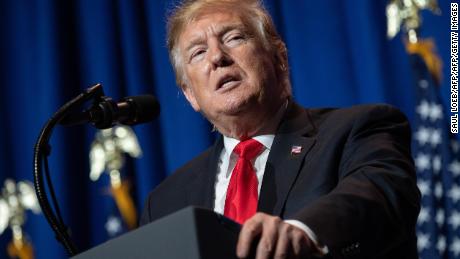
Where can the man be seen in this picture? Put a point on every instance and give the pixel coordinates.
(324, 182)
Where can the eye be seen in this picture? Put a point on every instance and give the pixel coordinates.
(197, 54)
(234, 39)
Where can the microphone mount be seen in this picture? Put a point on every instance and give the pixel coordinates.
(103, 113)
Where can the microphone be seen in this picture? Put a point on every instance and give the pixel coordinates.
(105, 112)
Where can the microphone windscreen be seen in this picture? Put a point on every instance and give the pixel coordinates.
(145, 109)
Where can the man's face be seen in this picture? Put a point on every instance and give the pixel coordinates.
(227, 70)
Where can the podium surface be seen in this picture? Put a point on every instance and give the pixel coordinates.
(190, 233)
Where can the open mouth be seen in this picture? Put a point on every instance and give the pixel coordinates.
(228, 82)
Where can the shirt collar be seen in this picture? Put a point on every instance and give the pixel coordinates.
(266, 140)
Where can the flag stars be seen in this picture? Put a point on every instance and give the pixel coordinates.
(455, 246)
(435, 138)
(454, 193)
(441, 244)
(426, 135)
(435, 112)
(423, 109)
(423, 241)
(424, 215)
(422, 135)
(427, 110)
(454, 220)
(422, 162)
(424, 187)
(454, 167)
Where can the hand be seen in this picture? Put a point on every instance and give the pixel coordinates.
(278, 239)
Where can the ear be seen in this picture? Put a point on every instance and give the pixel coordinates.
(190, 95)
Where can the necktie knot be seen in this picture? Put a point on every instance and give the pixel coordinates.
(248, 149)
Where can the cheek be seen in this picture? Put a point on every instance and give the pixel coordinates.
(197, 75)
(192, 79)
(261, 70)
(257, 60)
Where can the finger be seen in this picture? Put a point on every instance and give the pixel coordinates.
(283, 244)
(269, 237)
(251, 229)
(299, 241)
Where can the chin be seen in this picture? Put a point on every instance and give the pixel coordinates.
(235, 108)
(242, 101)
(231, 111)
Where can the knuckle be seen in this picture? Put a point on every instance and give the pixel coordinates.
(251, 229)
(260, 215)
(274, 223)
(277, 220)
(298, 236)
(266, 245)
(291, 229)
(286, 228)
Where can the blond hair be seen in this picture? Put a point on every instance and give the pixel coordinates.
(252, 13)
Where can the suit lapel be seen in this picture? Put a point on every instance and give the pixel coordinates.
(285, 159)
(286, 165)
(281, 170)
(201, 189)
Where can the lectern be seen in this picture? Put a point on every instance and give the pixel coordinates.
(190, 233)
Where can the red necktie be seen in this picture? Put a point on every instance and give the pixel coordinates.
(241, 199)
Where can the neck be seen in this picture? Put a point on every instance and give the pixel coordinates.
(260, 123)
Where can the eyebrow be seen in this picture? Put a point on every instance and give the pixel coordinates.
(220, 31)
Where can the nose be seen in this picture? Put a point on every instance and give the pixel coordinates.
(218, 56)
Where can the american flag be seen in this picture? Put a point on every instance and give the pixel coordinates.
(296, 150)
(436, 157)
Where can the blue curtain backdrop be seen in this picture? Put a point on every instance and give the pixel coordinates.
(51, 50)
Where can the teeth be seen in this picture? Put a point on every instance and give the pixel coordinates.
(227, 80)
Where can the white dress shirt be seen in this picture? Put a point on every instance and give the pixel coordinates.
(227, 162)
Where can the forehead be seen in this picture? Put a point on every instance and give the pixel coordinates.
(208, 24)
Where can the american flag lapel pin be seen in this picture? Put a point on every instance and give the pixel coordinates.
(295, 150)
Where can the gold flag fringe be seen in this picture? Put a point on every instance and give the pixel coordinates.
(20, 249)
(427, 50)
(125, 203)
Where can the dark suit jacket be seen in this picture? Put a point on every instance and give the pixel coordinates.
(353, 183)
